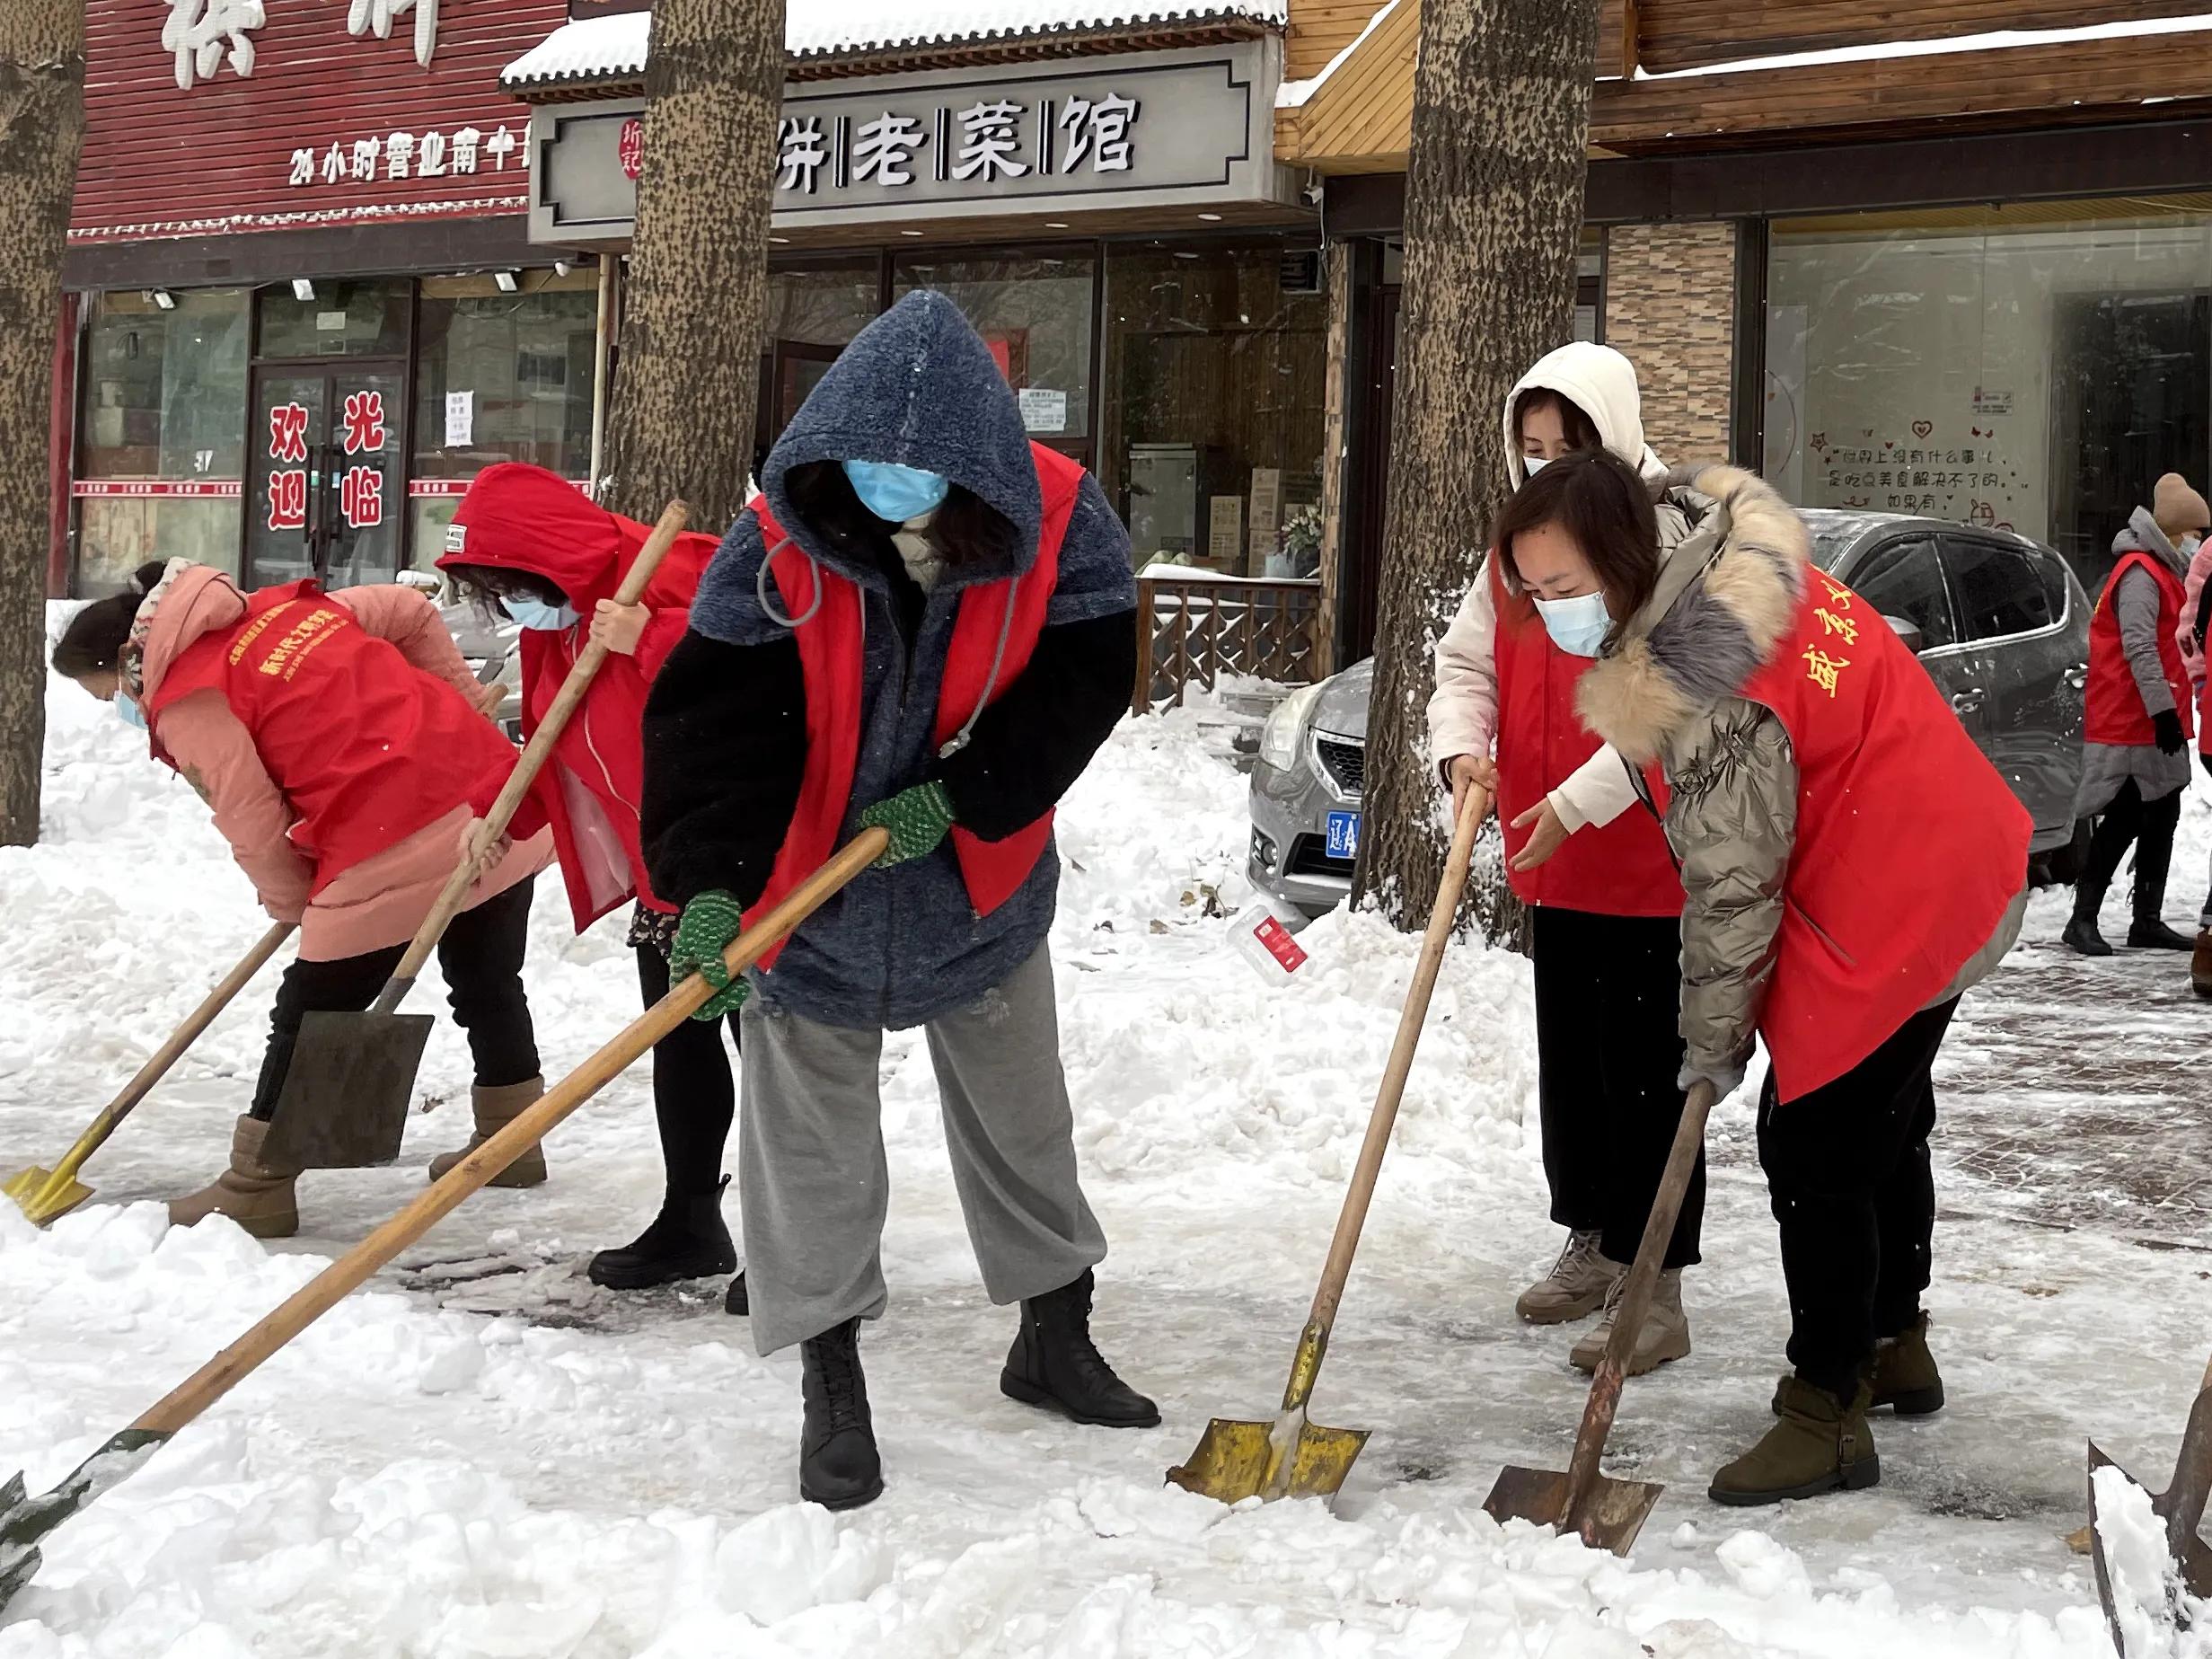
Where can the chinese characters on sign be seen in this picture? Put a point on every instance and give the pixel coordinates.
(287, 485)
(364, 431)
(361, 493)
(198, 30)
(366, 16)
(991, 141)
(404, 154)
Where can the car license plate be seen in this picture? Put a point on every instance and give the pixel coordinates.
(1343, 835)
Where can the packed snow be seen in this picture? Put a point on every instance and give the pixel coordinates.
(482, 1455)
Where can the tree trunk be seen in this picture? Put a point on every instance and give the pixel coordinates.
(41, 128)
(1493, 223)
(687, 381)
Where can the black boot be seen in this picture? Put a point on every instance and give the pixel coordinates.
(2152, 933)
(1053, 1363)
(735, 1300)
(688, 1239)
(2082, 932)
(838, 1465)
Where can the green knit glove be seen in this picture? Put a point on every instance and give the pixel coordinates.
(704, 932)
(918, 819)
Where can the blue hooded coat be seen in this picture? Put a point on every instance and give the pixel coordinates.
(725, 725)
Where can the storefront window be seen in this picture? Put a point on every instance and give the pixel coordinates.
(1214, 372)
(164, 414)
(499, 376)
(1034, 314)
(814, 312)
(335, 319)
(1993, 367)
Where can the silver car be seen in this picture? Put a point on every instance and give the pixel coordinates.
(1999, 622)
(487, 644)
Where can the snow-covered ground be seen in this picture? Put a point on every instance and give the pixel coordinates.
(517, 1464)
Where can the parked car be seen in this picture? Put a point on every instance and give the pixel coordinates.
(487, 643)
(1999, 622)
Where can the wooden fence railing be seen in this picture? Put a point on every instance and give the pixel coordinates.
(1193, 627)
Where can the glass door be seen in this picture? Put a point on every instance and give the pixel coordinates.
(326, 485)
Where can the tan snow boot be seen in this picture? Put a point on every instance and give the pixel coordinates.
(258, 1196)
(1821, 1444)
(495, 1109)
(1576, 1286)
(1665, 1334)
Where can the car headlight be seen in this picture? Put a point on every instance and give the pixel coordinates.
(1286, 729)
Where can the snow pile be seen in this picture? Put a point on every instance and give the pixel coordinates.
(596, 1475)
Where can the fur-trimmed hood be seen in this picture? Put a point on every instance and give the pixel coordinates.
(1725, 597)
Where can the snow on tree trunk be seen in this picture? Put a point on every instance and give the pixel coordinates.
(1493, 223)
(687, 382)
(42, 127)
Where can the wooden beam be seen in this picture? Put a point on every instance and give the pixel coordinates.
(1335, 426)
(1631, 37)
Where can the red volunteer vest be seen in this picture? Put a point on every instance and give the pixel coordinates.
(2115, 712)
(830, 661)
(1910, 847)
(366, 748)
(1623, 869)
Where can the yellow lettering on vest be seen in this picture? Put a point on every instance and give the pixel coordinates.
(1826, 671)
(250, 633)
(314, 623)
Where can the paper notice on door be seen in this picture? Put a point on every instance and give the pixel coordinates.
(1266, 523)
(1225, 533)
(460, 419)
(1042, 411)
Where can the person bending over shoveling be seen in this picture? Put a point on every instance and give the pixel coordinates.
(530, 544)
(343, 746)
(1852, 866)
(923, 625)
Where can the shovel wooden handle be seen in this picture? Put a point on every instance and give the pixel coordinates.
(1635, 1302)
(1442, 914)
(231, 1367)
(534, 755)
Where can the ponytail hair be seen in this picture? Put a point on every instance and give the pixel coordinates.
(94, 642)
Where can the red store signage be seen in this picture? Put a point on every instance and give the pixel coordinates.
(205, 116)
(102, 488)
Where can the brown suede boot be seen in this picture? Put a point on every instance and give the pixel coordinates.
(495, 1109)
(1904, 1376)
(257, 1196)
(1820, 1444)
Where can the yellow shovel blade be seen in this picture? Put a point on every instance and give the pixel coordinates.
(1237, 1460)
(46, 1195)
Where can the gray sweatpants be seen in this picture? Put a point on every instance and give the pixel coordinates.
(812, 1180)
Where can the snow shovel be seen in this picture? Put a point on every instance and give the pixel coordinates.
(347, 1091)
(48, 1194)
(1604, 1512)
(24, 1521)
(2180, 1506)
(1292, 1457)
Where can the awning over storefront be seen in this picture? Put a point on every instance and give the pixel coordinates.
(608, 52)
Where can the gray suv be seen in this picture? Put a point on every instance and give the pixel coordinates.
(1999, 622)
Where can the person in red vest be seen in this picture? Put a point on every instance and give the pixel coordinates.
(924, 623)
(526, 542)
(342, 744)
(1604, 902)
(1852, 865)
(2135, 753)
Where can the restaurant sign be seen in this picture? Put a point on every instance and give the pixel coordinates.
(1187, 128)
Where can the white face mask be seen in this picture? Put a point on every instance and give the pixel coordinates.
(127, 710)
(535, 614)
(1533, 464)
(1578, 626)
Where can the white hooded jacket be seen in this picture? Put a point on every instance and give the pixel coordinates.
(1463, 714)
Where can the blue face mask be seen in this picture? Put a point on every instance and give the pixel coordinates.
(1577, 626)
(896, 494)
(538, 615)
(127, 710)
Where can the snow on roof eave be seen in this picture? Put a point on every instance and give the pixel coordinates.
(615, 47)
(2003, 40)
(1297, 94)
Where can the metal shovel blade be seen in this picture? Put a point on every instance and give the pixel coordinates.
(1237, 1460)
(348, 1090)
(2193, 1570)
(1609, 1518)
(46, 1196)
(24, 1521)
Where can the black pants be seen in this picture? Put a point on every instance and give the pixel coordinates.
(482, 957)
(693, 1096)
(2150, 826)
(1849, 1175)
(2205, 916)
(1608, 1043)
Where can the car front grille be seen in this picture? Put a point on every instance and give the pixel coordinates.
(1310, 857)
(1346, 764)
